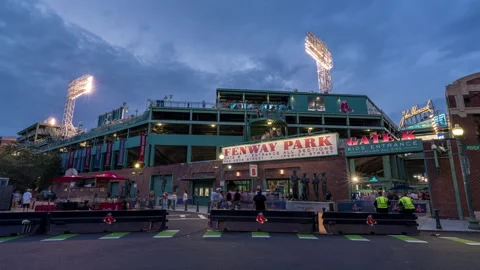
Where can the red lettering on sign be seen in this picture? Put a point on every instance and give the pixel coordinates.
(406, 135)
(352, 141)
(264, 148)
(243, 150)
(297, 144)
(272, 146)
(234, 151)
(323, 141)
(387, 138)
(364, 140)
(287, 145)
(374, 138)
(310, 143)
(226, 151)
(253, 149)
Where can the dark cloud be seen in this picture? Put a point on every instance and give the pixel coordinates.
(396, 54)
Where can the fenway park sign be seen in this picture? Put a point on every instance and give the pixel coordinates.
(303, 147)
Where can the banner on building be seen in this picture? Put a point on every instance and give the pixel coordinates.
(143, 143)
(78, 159)
(98, 156)
(253, 170)
(302, 147)
(108, 155)
(121, 153)
(64, 157)
(70, 159)
(86, 164)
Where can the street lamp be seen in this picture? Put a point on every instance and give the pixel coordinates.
(473, 223)
(221, 156)
(137, 165)
(355, 179)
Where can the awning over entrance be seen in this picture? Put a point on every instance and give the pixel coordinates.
(110, 175)
(67, 179)
(197, 178)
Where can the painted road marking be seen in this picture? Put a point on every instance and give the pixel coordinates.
(9, 238)
(183, 216)
(408, 239)
(61, 237)
(306, 236)
(355, 237)
(166, 234)
(115, 235)
(202, 217)
(260, 235)
(463, 241)
(212, 234)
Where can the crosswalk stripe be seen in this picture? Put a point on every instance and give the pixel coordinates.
(355, 237)
(166, 234)
(202, 217)
(61, 237)
(260, 235)
(212, 234)
(306, 236)
(408, 239)
(463, 241)
(9, 238)
(183, 216)
(115, 235)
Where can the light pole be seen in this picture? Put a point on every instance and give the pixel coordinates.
(472, 220)
(221, 157)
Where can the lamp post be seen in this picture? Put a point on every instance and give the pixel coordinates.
(473, 223)
(221, 157)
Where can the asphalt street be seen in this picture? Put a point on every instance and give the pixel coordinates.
(189, 245)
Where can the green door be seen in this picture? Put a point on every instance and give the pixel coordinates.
(201, 192)
(161, 184)
(115, 189)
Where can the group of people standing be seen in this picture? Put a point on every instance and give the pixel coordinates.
(24, 200)
(405, 203)
(232, 200)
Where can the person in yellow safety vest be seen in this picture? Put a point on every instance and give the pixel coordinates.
(406, 205)
(381, 203)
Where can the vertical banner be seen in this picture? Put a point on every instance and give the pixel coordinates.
(121, 154)
(64, 161)
(108, 155)
(141, 154)
(78, 159)
(98, 156)
(86, 164)
(70, 159)
(253, 170)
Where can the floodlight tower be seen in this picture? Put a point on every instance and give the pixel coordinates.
(318, 50)
(76, 88)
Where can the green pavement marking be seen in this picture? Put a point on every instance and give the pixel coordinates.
(9, 238)
(355, 237)
(306, 236)
(463, 241)
(60, 237)
(260, 235)
(212, 234)
(115, 235)
(408, 239)
(166, 234)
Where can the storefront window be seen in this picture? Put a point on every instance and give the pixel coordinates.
(201, 192)
(243, 185)
(196, 191)
(207, 192)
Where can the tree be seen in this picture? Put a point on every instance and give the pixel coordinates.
(27, 169)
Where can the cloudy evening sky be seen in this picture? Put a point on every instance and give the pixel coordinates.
(399, 53)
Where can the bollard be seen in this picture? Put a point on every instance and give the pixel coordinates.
(208, 207)
(437, 219)
(198, 206)
(27, 227)
(186, 208)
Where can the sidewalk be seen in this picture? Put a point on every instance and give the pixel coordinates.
(429, 224)
(190, 209)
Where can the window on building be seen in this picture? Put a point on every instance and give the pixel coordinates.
(311, 120)
(336, 121)
(231, 117)
(137, 131)
(229, 130)
(181, 116)
(208, 117)
(204, 129)
(168, 154)
(364, 122)
(316, 103)
(291, 119)
(167, 128)
(202, 153)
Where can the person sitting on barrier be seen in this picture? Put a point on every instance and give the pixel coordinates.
(406, 205)
(259, 201)
(381, 203)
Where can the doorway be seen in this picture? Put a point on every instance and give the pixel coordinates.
(161, 184)
(201, 192)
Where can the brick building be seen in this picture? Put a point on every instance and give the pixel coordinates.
(463, 103)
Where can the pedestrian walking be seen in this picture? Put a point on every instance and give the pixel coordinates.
(185, 198)
(26, 199)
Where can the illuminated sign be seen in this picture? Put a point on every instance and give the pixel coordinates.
(383, 144)
(302, 147)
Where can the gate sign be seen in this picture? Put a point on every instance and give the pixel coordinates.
(301, 147)
(383, 144)
(253, 170)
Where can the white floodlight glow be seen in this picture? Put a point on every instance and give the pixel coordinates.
(76, 88)
(52, 121)
(318, 50)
